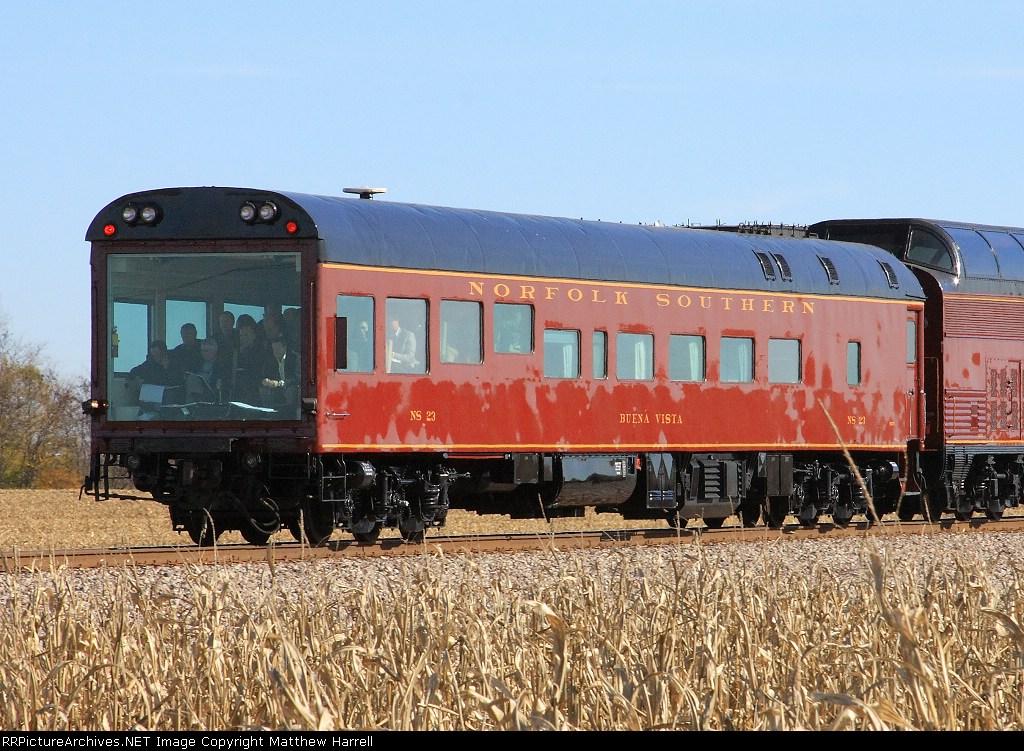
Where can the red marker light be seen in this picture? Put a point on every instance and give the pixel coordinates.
(291, 227)
(109, 230)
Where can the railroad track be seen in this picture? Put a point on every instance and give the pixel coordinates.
(174, 555)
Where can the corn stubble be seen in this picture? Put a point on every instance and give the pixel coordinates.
(682, 645)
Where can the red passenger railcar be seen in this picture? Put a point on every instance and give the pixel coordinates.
(441, 358)
(973, 277)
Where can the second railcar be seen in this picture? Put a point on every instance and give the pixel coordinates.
(502, 363)
(973, 277)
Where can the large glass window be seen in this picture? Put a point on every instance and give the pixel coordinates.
(153, 375)
(975, 252)
(736, 363)
(513, 327)
(461, 331)
(685, 357)
(354, 334)
(407, 335)
(634, 357)
(1009, 253)
(783, 361)
(925, 248)
(561, 353)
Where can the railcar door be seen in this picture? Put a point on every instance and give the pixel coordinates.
(915, 380)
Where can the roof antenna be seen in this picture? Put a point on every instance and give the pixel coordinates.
(366, 193)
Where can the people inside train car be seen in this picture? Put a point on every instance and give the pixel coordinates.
(226, 336)
(280, 376)
(512, 333)
(271, 328)
(402, 348)
(291, 327)
(207, 383)
(247, 365)
(156, 370)
(187, 355)
(361, 349)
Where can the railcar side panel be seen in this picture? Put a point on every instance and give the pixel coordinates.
(506, 401)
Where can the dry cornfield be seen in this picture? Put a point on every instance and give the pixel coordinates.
(677, 638)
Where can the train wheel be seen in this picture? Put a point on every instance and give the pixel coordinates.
(254, 536)
(368, 538)
(414, 536)
(994, 509)
(750, 513)
(201, 529)
(907, 509)
(714, 523)
(809, 515)
(777, 511)
(963, 516)
(842, 515)
(317, 523)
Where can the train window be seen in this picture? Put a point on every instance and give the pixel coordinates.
(151, 295)
(736, 360)
(1008, 252)
(634, 357)
(561, 353)
(354, 334)
(129, 339)
(600, 347)
(407, 335)
(513, 327)
(256, 311)
(928, 250)
(911, 341)
(784, 361)
(461, 331)
(685, 357)
(853, 363)
(975, 253)
(180, 312)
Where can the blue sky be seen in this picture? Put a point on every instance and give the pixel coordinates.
(699, 112)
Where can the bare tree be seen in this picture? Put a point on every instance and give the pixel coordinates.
(43, 434)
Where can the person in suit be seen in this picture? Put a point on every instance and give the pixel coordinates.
(248, 363)
(208, 382)
(187, 356)
(403, 349)
(280, 384)
(361, 350)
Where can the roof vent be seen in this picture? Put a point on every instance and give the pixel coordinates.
(366, 193)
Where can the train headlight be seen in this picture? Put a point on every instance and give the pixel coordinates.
(94, 406)
(149, 214)
(268, 211)
(130, 214)
(247, 212)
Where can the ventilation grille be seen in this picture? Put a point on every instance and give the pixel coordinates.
(766, 265)
(787, 274)
(830, 269)
(890, 275)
